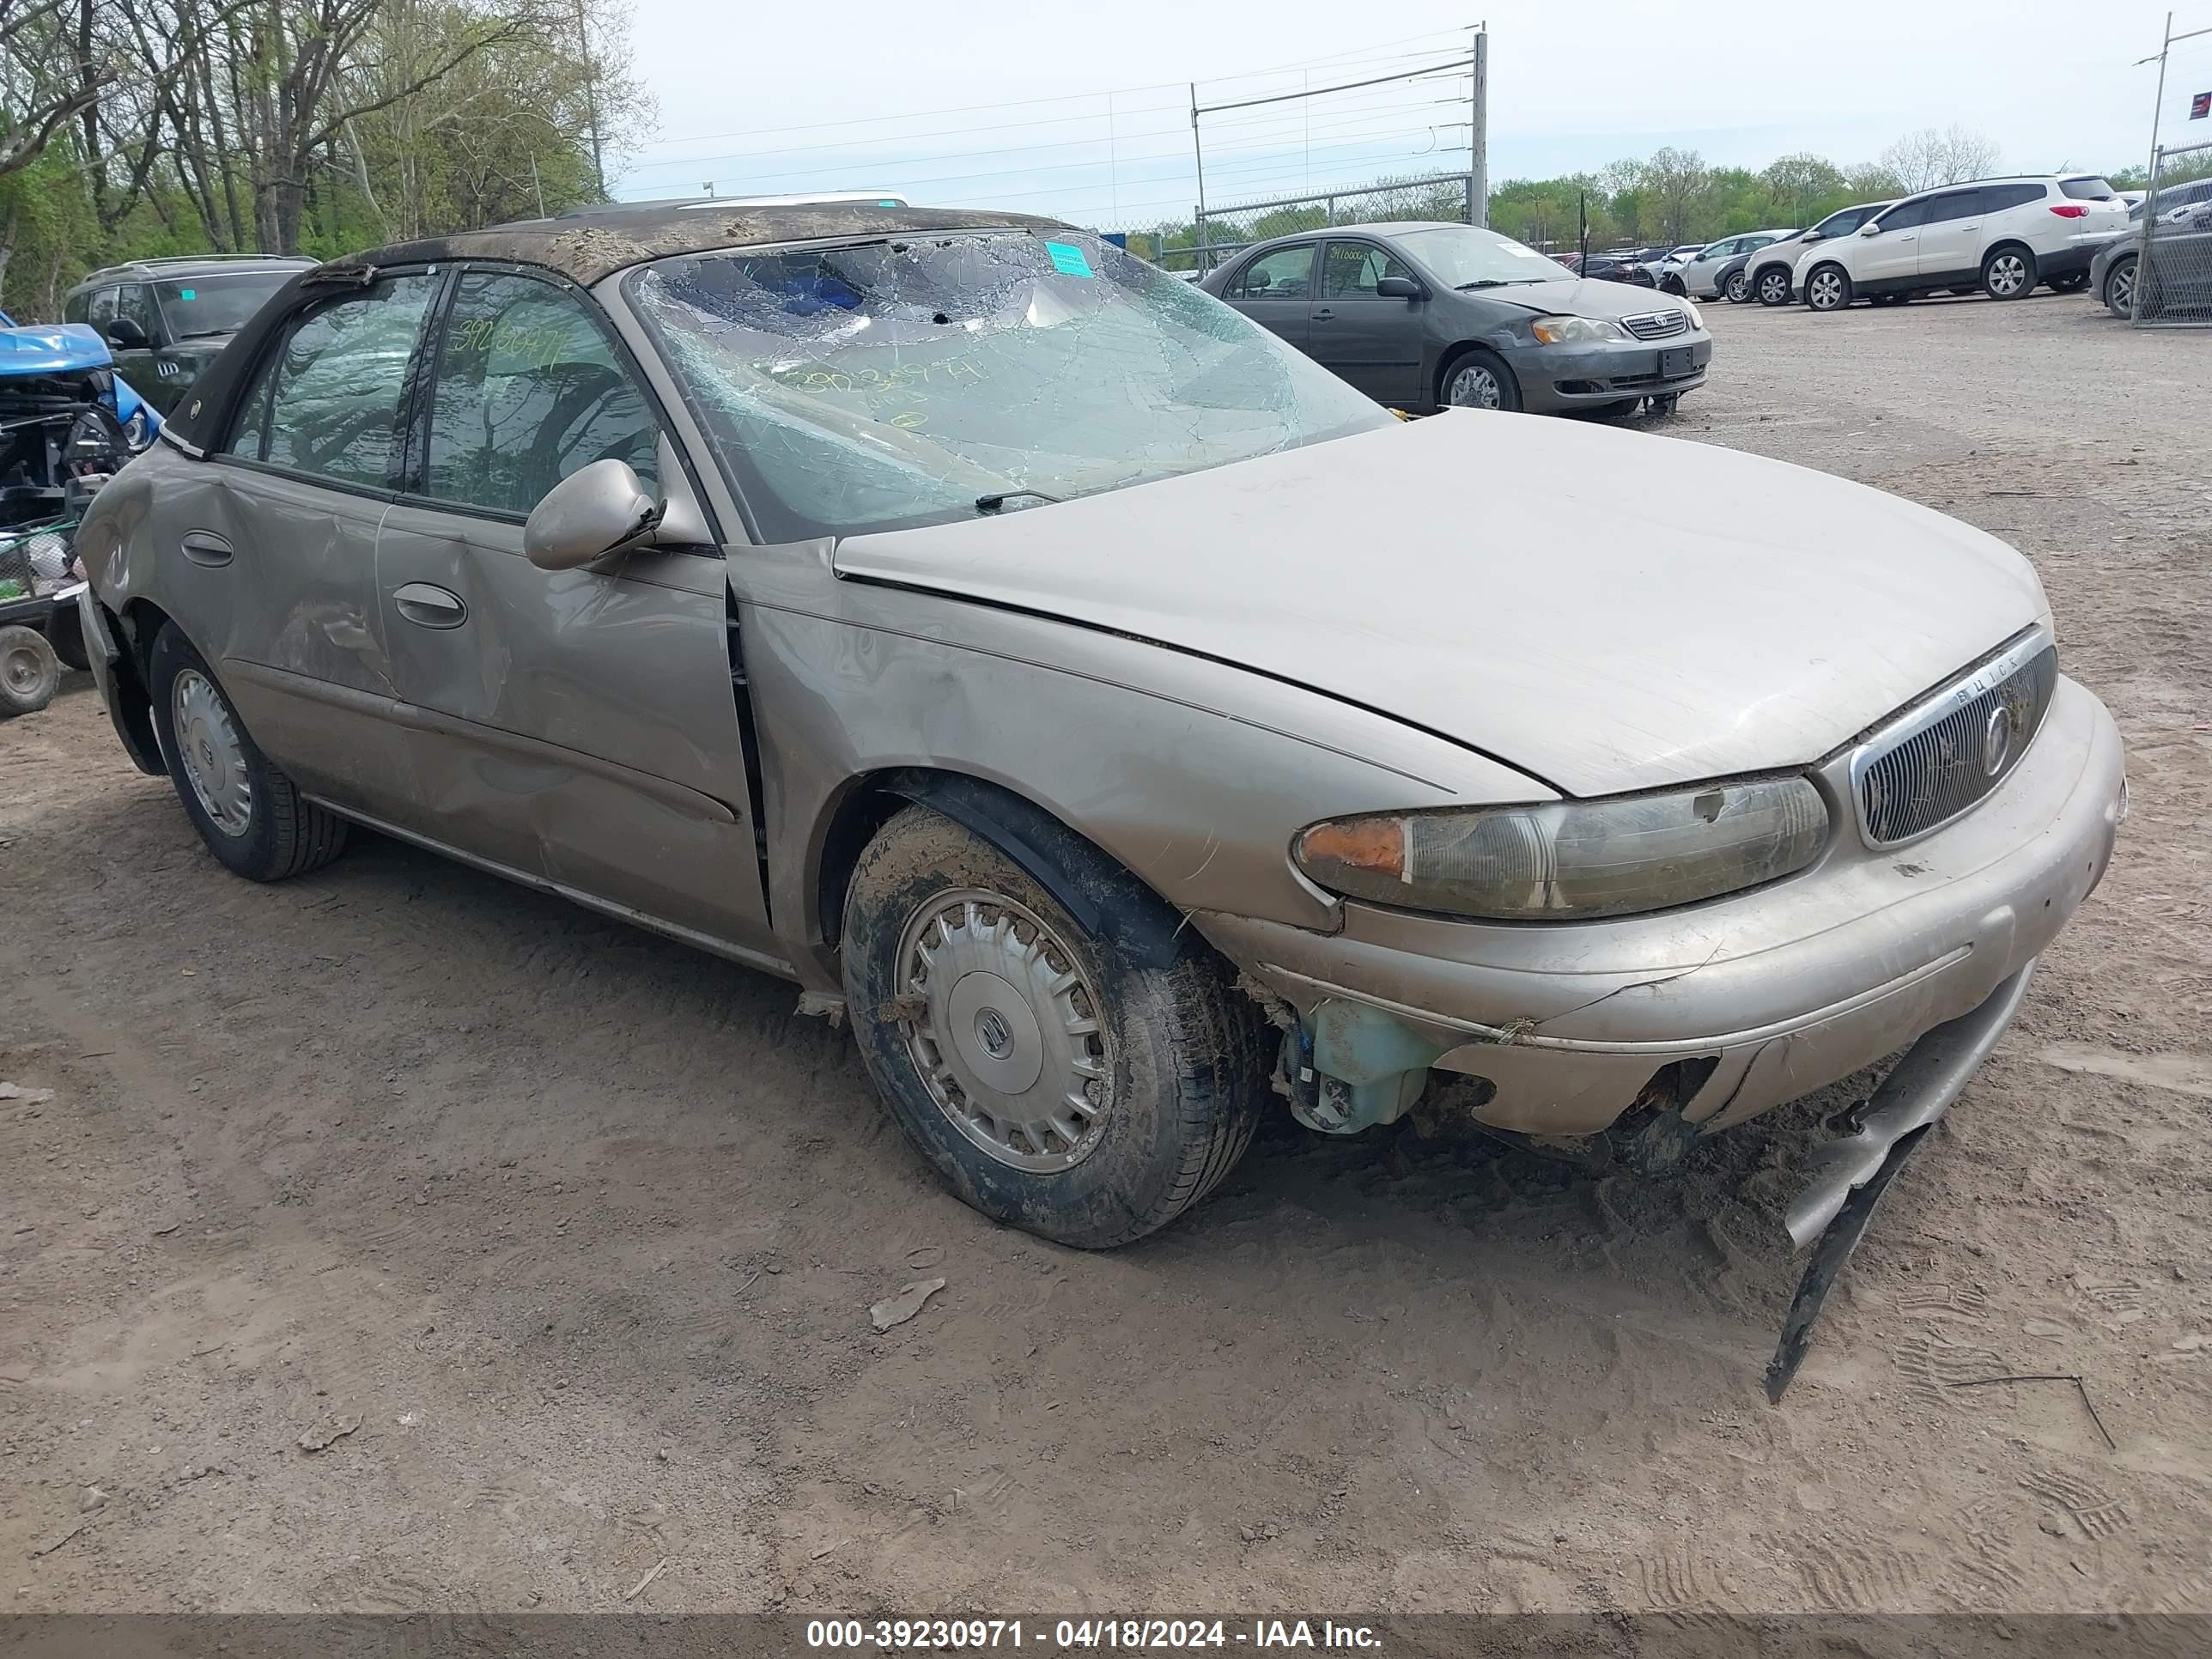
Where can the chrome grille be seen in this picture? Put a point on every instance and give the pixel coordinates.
(1655, 325)
(1946, 753)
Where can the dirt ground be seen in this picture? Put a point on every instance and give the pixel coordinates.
(560, 1240)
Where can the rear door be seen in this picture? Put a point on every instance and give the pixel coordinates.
(269, 559)
(1275, 290)
(578, 725)
(1371, 342)
(1951, 233)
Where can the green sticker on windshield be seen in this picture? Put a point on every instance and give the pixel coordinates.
(1068, 261)
(187, 292)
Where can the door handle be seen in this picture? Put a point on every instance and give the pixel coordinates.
(1323, 314)
(428, 605)
(205, 547)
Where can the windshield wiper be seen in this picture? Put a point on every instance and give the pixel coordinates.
(997, 503)
(1483, 282)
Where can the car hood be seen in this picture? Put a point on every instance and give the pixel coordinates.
(53, 349)
(1607, 610)
(1577, 296)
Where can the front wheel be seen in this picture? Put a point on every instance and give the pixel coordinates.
(1673, 284)
(1059, 1081)
(251, 817)
(1828, 288)
(1739, 289)
(2008, 273)
(2072, 284)
(30, 672)
(2120, 288)
(1481, 380)
(1774, 286)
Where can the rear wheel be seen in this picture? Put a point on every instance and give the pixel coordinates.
(1828, 288)
(30, 673)
(2008, 273)
(1967, 289)
(1055, 1081)
(2073, 283)
(1479, 380)
(1772, 286)
(251, 816)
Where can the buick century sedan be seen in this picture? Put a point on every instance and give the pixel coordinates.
(1127, 725)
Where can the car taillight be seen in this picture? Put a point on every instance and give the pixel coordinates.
(2069, 209)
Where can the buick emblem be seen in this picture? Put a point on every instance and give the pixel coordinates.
(1997, 741)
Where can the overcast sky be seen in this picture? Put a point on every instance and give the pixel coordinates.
(1080, 111)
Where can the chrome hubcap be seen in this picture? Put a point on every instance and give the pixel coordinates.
(1003, 1027)
(2007, 274)
(1474, 388)
(21, 668)
(213, 757)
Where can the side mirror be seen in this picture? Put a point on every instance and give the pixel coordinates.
(124, 334)
(1872, 228)
(1398, 288)
(596, 510)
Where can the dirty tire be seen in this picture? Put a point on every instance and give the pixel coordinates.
(283, 834)
(1478, 379)
(1189, 1054)
(30, 673)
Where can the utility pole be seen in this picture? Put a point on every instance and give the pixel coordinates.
(1478, 159)
(1198, 155)
(536, 184)
(591, 99)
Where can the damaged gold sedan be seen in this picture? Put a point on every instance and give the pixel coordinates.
(1126, 724)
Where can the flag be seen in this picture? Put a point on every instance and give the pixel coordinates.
(2200, 106)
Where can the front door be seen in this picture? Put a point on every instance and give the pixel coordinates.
(1371, 342)
(1890, 256)
(269, 554)
(1275, 291)
(577, 726)
(1951, 237)
(1699, 275)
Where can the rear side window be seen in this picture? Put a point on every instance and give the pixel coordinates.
(529, 390)
(1959, 205)
(2087, 190)
(1285, 274)
(1996, 198)
(326, 402)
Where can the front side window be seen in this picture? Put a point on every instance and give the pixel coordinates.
(199, 307)
(326, 402)
(908, 380)
(100, 312)
(529, 389)
(1906, 215)
(132, 306)
(1352, 269)
(1285, 274)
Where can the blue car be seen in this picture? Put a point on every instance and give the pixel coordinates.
(68, 424)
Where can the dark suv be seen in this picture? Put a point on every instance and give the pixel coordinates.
(164, 320)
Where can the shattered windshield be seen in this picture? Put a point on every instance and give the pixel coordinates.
(215, 304)
(914, 381)
(1463, 256)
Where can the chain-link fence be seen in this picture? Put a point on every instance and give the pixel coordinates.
(1222, 230)
(2169, 282)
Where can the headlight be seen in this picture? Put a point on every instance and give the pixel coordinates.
(1697, 317)
(136, 431)
(1575, 330)
(1574, 858)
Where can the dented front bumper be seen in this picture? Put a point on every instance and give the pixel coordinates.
(1783, 990)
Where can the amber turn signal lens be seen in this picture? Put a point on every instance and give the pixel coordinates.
(1377, 846)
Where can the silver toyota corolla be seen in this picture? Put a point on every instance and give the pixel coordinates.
(1128, 726)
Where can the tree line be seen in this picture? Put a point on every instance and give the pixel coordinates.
(131, 129)
(1670, 197)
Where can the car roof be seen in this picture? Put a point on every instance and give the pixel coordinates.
(594, 243)
(1999, 179)
(190, 264)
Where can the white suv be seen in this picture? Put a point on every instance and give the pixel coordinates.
(2001, 235)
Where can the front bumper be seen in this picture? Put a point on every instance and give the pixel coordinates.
(1556, 377)
(1783, 989)
(131, 717)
